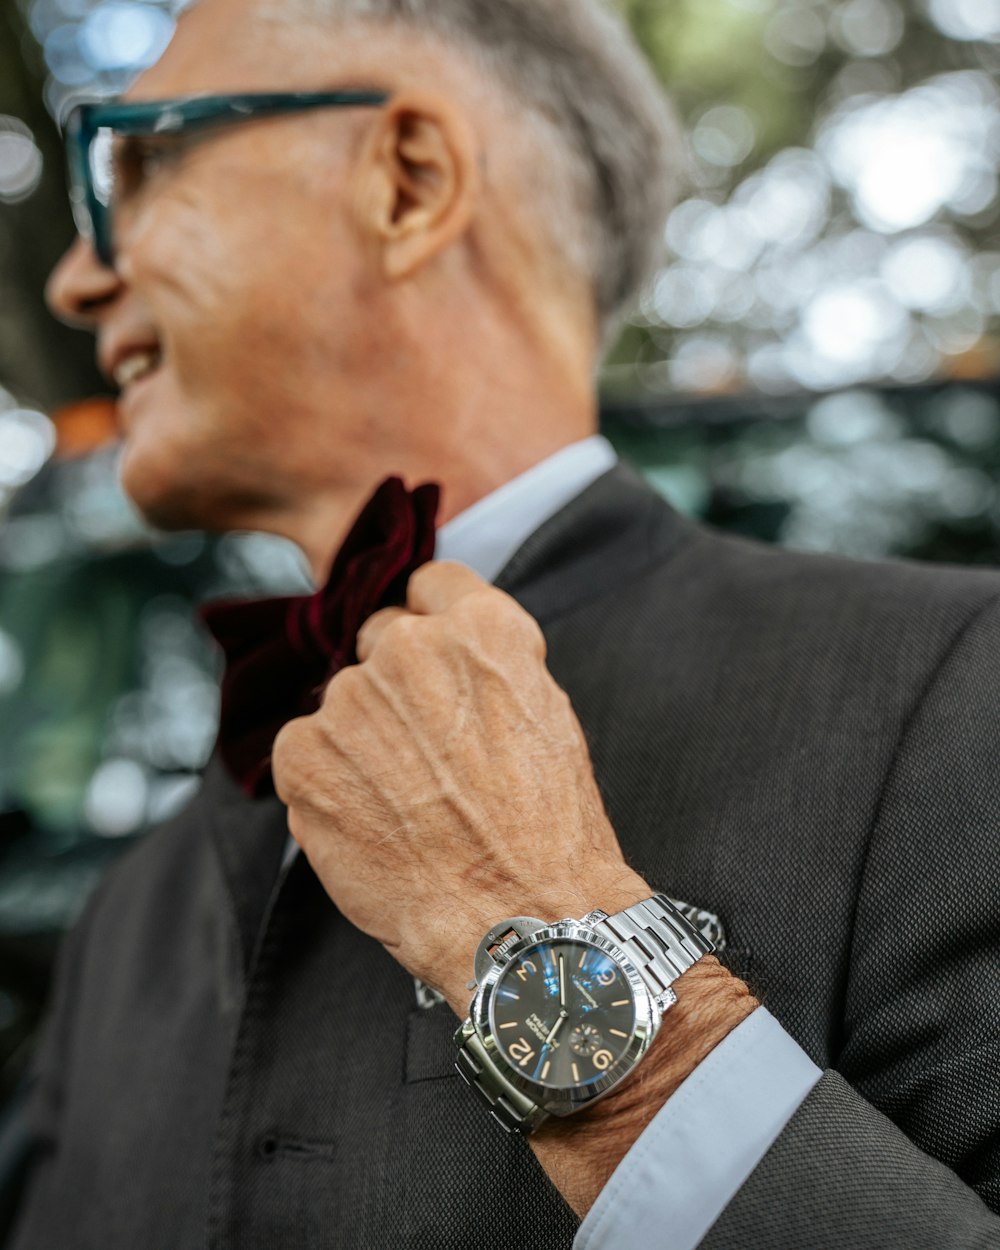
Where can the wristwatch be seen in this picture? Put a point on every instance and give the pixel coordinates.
(563, 1012)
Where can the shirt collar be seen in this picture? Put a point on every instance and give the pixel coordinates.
(486, 535)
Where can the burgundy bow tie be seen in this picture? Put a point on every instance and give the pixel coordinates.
(280, 653)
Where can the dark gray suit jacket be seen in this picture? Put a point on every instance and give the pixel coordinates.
(807, 746)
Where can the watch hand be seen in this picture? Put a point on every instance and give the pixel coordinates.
(563, 1016)
(562, 981)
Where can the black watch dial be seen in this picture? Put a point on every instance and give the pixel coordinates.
(563, 1013)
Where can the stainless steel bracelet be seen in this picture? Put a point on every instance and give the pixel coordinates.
(659, 940)
(513, 1111)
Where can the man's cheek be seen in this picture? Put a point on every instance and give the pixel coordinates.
(178, 262)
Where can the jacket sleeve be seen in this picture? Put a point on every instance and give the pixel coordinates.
(899, 1147)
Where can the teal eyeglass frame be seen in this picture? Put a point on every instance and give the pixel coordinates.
(153, 118)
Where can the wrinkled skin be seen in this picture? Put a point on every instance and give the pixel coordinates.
(445, 782)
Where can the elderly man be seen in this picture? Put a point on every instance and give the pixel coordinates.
(791, 777)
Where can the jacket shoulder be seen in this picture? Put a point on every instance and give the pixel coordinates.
(815, 595)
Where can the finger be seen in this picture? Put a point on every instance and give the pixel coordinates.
(373, 629)
(437, 586)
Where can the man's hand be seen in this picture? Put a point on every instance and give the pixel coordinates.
(444, 785)
(445, 782)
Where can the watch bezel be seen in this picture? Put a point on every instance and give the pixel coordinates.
(648, 1015)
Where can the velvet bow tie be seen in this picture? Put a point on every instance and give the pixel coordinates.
(280, 653)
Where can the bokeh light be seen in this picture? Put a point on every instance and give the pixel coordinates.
(905, 158)
(11, 664)
(27, 439)
(94, 47)
(124, 36)
(967, 19)
(116, 798)
(868, 27)
(20, 161)
(858, 256)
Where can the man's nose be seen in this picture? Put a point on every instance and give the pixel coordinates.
(80, 287)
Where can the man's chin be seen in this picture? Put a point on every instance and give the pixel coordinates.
(162, 497)
(170, 496)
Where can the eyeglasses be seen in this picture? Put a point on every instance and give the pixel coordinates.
(95, 164)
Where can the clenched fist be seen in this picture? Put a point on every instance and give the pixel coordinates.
(445, 783)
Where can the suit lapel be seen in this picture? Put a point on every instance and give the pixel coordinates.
(249, 836)
(605, 537)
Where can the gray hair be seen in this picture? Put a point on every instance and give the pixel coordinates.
(609, 145)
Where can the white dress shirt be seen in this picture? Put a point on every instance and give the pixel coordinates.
(713, 1131)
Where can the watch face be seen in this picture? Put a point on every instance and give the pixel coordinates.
(563, 1013)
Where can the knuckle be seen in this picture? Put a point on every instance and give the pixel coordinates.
(285, 751)
(440, 582)
(532, 634)
(341, 688)
(363, 640)
(426, 572)
(398, 644)
(403, 631)
(379, 621)
(447, 569)
(423, 579)
(479, 608)
(496, 610)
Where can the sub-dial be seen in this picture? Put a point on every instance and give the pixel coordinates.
(585, 1039)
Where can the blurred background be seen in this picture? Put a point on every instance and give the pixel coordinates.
(816, 364)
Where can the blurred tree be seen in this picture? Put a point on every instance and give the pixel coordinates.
(796, 218)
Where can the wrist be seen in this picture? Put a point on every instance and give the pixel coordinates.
(711, 1002)
(612, 888)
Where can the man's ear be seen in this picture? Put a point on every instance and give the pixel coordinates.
(420, 181)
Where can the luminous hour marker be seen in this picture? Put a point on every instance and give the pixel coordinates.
(621, 1002)
(582, 958)
(576, 1073)
(545, 1070)
(618, 1032)
(509, 993)
(511, 1025)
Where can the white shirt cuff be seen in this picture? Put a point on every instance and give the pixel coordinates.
(709, 1136)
